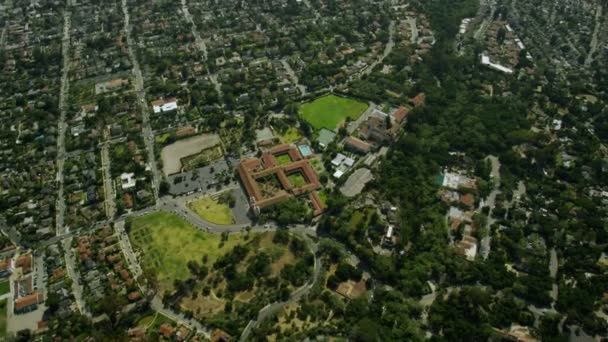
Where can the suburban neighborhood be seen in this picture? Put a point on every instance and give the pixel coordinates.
(285, 170)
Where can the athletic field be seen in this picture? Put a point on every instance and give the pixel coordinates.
(330, 111)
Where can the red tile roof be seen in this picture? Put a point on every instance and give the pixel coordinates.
(419, 100)
(357, 144)
(133, 296)
(25, 262)
(27, 301)
(166, 330)
(400, 114)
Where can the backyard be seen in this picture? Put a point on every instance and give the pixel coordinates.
(212, 210)
(3, 315)
(168, 243)
(5, 287)
(330, 111)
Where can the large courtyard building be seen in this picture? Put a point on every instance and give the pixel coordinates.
(279, 175)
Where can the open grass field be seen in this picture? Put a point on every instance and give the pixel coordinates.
(168, 243)
(211, 210)
(5, 287)
(331, 110)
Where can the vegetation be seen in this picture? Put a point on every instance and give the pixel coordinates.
(5, 287)
(290, 135)
(212, 210)
(330, 111)
(232, 289)
(283, 159)
(3, 317)
(168, 243)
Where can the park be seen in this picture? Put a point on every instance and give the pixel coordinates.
(168, 243)
(331, 111)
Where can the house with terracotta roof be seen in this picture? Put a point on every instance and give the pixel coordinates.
(467, 247)
(28, 303)
(24, 262)
(418, 100)
(133, 296)
(5, 268)
(166, 330)
(219, 335)
(357, 145)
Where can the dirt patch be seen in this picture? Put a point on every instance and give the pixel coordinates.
(172, 154)
(204, 307)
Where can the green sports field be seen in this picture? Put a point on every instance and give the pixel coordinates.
(331, 110)
(168, 242)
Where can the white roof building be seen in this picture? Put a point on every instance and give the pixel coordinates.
(164, 105)
(389, 232)
(337, 161)
(127, 180)
(485, 60)
(338, 173)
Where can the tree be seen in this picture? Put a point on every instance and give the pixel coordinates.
(501, 35)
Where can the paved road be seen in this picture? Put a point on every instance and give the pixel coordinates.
(200, 43)
(70, 265)
(479, 34)
(293, 77)
(192, 324)
(353, 125)
(8, 6)
(127, 249)
(594, 38)
(490, 202)
(108, 187)
(274, 308)
(387, 49)
(413, 29)
(62, 125)
(148, 134)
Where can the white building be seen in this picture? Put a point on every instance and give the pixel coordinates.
(337, 161)
(164, 105)
(127, 180)
(485, 60)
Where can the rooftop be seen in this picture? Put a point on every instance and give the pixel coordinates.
(267, 183)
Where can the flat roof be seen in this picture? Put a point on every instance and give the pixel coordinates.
(326, 136)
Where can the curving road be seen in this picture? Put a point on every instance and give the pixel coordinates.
(272, 309)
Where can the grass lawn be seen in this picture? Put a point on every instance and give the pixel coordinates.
(331, 110)
(211, 210)
(3, 314)
(162, 138)
(284, 159)
(290, 135)
(168, 243)
(358, 217)
(323, 197)
(297, 179)
(5, 287)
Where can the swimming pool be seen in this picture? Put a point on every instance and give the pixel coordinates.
(305, 150)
